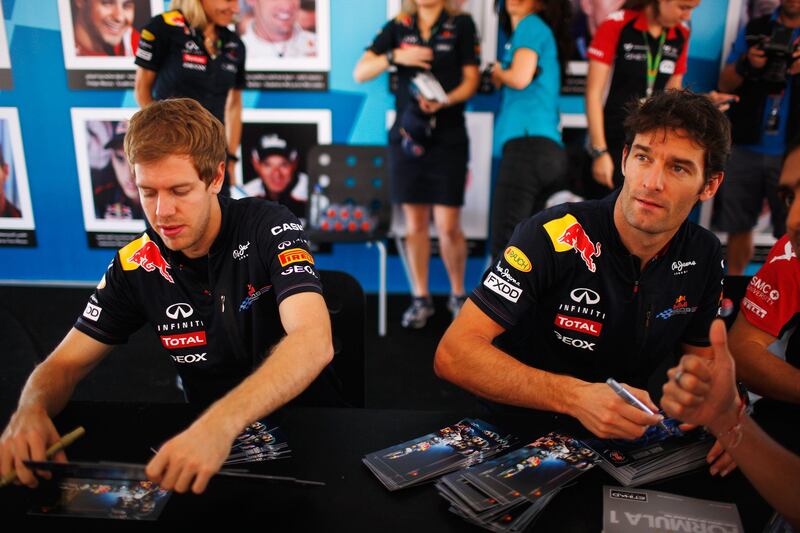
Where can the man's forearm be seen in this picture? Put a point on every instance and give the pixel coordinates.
(479, 367)
(48, 388)
(765, 374)
(233, 125)
(294, 363)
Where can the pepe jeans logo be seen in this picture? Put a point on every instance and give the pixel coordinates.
(681, 267)
(240, 254)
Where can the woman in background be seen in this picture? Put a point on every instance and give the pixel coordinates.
(428, 144)
(189, 52)
(533, 164)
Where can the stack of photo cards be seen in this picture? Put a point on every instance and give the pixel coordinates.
(658, 454)
(507, 493)
(632, 511)
(258, 442)
(463, 444)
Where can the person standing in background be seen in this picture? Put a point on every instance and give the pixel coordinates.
(428, 144)
(189, 52)
(533, 163)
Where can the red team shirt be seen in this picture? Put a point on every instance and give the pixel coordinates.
(772, 301)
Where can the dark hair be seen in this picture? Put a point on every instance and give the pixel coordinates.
(557, 14)
(681, 109)
(638, 5)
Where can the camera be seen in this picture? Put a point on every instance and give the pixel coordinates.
(486, 86)
(779, 49)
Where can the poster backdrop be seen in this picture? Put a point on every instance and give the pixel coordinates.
(52, 177)
(99, 39)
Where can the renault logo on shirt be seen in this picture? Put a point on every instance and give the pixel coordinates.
(584, 296)
(180, 310)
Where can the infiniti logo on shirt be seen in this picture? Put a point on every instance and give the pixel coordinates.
(584, 296)
(182, 310)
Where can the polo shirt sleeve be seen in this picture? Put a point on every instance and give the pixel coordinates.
(515, 280)
(530, 34)
(771, 299)
(739, 47)
(283, 251)
(603, 47)
(469, 44)
(681, 64)
(696, 333)
(112, 313)
(153, 44)
(385, 40)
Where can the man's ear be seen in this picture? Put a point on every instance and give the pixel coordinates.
(219, 178)
(711, 187)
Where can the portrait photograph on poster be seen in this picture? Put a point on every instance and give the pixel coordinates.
(287, 43)
(112, 212)
(6, 82)
(272, 156)
(16, 213)
(99, 39)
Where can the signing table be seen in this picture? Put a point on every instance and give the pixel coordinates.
(327, 445)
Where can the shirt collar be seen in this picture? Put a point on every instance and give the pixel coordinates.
(640, 23)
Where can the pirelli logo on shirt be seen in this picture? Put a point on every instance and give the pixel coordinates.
(295, 255)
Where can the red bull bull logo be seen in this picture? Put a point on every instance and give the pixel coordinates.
(566, 233)
(144, 253)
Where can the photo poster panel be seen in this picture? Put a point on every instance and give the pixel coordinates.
(17, 226)
(6, 81)
(485, 18)
(112, 212)
(99, 40)
(288, 44)
(477, 194)
(273, 151)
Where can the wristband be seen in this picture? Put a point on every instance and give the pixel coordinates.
(390, 57)
(596, 152)
(735, 431)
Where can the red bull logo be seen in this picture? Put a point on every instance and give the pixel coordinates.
(568, 234)
(144, 253)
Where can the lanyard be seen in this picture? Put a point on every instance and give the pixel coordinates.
(652, 64)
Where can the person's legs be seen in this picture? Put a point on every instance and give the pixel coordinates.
(736, 210)
(418, 252)
(418, 246)
(453, 248)
(452, 244)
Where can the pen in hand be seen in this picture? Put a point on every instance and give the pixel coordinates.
(62, 443)
(632, 400)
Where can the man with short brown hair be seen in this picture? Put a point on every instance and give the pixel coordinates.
(229, 287)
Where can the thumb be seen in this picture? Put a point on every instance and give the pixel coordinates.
(719, 340)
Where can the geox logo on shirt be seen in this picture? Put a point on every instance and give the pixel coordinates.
(189, 359)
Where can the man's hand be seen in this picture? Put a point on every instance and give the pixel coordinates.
(603, 170)
(794, 66)
(704, 394)
(27, 437)
(414, 56)
(757, 57)
(189, 459)
(722, 100)
(608, 416)
(429, 106)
